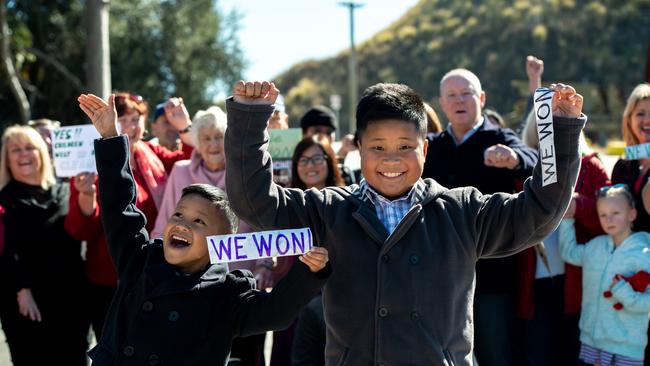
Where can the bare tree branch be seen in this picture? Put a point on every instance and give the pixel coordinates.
(8, 66)
(58, 66)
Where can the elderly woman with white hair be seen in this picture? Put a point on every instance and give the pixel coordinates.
(206, 165)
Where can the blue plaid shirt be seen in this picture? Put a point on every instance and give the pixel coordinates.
(391, 213)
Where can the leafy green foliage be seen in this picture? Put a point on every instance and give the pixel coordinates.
(159, 48)
(598, 45)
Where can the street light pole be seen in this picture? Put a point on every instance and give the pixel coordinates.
(352, 67)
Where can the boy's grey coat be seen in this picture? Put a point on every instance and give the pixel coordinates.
(403, 299)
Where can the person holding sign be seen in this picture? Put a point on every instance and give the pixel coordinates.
(41, 265)
(208, 165)
(403, 249)
(172, 306)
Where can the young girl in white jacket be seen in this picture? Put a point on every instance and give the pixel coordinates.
(611, 334)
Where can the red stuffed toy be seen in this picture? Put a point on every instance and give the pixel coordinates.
(639, 282)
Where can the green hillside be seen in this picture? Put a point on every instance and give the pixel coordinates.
(600, 46)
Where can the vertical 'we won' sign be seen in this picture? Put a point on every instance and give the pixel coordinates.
(544, 116)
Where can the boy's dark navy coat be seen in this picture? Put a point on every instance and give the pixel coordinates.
(162, 317)
(403, 298)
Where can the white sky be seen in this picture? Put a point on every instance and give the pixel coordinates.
(277, 34)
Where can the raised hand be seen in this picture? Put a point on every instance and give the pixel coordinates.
(255, 92)
(102, 114)
(534, 71)
(177, 114)
(500, 156)
(27, 305)
(85, 183)
(566, 102)
(573, 205)
(315, 259)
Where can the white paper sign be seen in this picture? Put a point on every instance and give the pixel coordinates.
(544, 116)
(263, 244)
(73, 150)
(636, 152)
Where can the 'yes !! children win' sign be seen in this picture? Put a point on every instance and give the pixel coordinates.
(264, 244)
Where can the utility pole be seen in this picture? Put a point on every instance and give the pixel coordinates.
(98, 54)
(352, 68)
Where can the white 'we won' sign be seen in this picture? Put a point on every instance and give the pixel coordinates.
(544, 116)
(263, 244)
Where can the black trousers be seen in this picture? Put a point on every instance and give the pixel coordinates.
(551, 337)
(98, 300)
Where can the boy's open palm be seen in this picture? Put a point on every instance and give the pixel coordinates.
(566, 102)
(315, 259)
(255, 92)
(102, 114)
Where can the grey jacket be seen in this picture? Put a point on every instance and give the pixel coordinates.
(404, 298)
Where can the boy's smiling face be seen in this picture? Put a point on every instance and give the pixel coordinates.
(392, 156)
(184, 237)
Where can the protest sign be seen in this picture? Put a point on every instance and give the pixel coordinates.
(264, 244)
(636, 152)
(73, 150)
(544, 116)
(283, 142)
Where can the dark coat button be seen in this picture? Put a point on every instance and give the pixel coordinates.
(415, 315)
(147, 306)
(154, 359)
(173, 316)
(414, 259)
(128, 351)
(385, 257)
(383, 312)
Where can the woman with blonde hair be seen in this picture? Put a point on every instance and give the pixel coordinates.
(635, 127)
(42, 269)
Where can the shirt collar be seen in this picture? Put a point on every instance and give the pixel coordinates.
(469, 133)
(415, 195)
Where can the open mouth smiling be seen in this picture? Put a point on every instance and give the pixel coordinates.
(177, 241)
(391, 174)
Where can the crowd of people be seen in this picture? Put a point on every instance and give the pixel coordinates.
(415, 267)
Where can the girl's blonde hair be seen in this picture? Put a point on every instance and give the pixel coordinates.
(641, 92)
(617, 190)
(30, 135)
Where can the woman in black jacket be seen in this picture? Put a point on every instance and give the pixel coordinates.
(42, 272)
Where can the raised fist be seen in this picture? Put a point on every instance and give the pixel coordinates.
(255, 92)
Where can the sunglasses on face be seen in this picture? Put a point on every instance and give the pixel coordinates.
(315, 160)
(602, 192)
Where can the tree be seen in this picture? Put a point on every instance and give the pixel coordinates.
(159, 48)
(601, 45)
